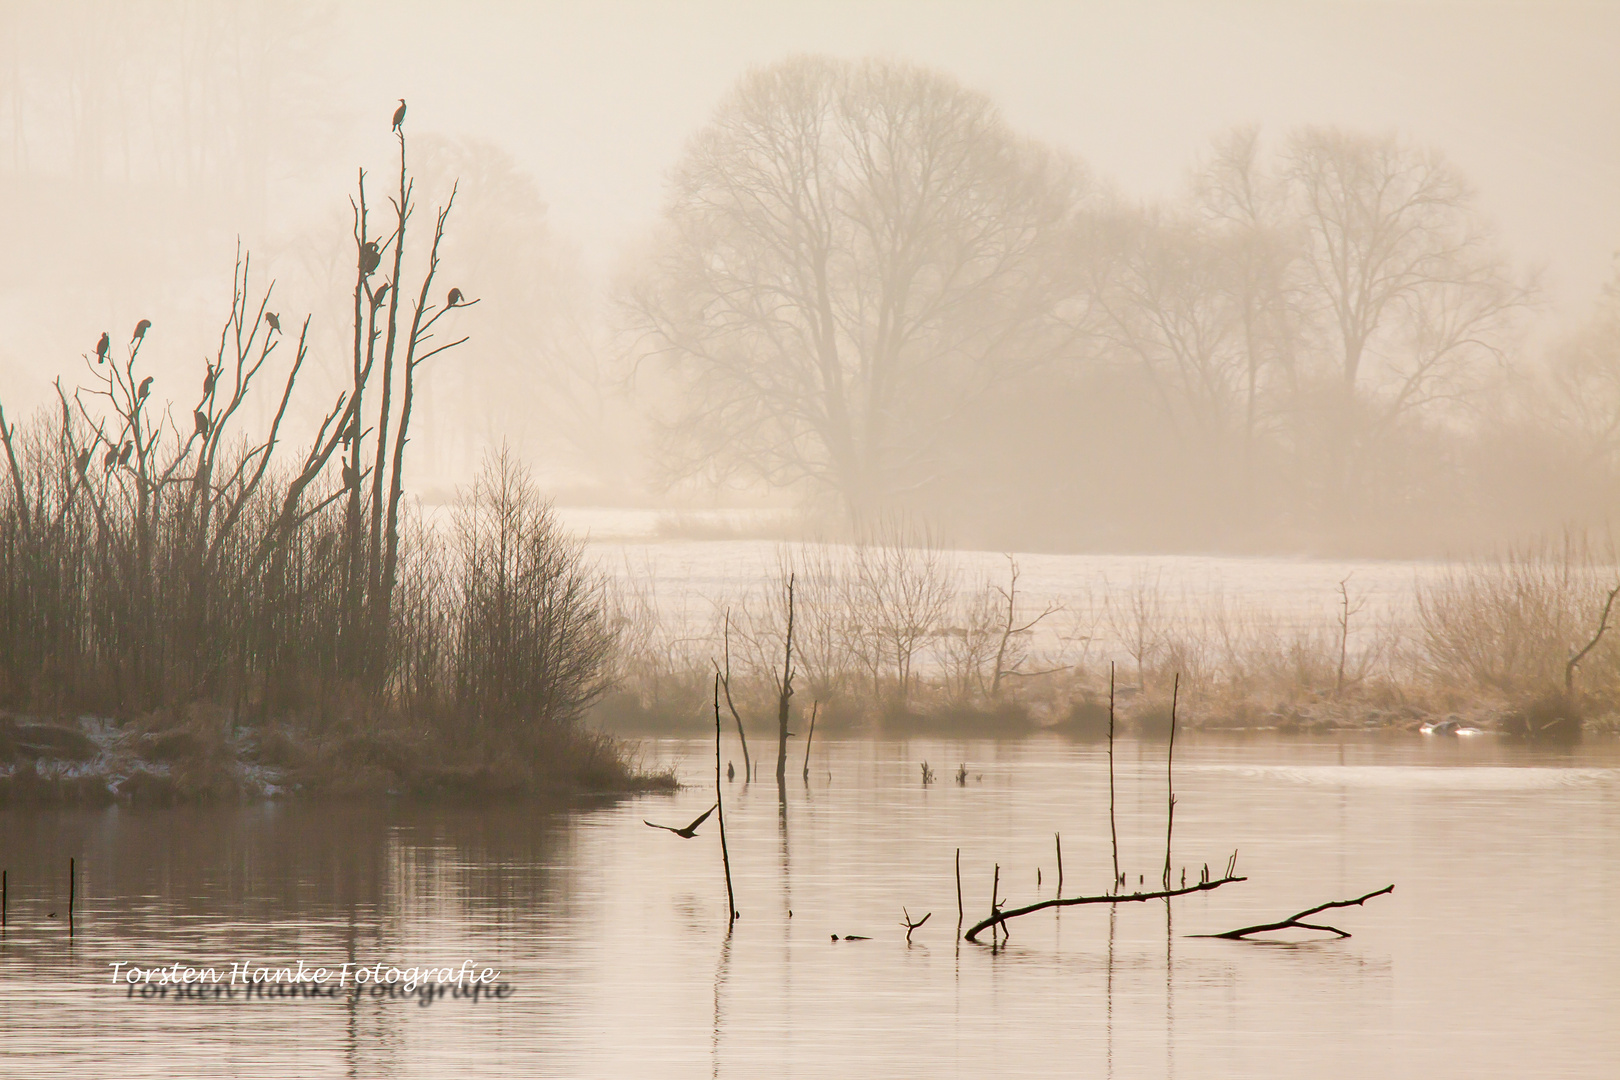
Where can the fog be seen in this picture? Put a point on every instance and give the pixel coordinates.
(1150, 363)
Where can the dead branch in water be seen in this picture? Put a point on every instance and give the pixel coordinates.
(1293, 921)
(1000, 918)
(910, 926)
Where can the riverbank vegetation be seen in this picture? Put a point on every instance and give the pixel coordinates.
(892, 635)
(258, 614)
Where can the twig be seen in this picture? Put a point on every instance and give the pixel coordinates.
(1294, 920)
(910, 926)
(1058, 837)
(1603, 625)
(725, 854)
(814, 706)
(1001, 918)
(725, 680)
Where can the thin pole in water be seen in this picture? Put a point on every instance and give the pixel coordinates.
(959, 891)
(72, 880)
(1113, 831)
(2, 899)
(1059, 838)
(720, 810)
(1170, 780)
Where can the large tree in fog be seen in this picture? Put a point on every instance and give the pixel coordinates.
(1412, 297)
(848, 251)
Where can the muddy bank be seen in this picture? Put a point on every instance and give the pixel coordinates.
(202, 758)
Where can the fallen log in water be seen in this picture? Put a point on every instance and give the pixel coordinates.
(1293, 921)
(999, 918)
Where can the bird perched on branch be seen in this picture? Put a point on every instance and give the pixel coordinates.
(208, 381)
(202, 422)
(82, 462)
(101, 348)
(146, 387)
(382, 292)
(399, 115)
(110, 459)
(455, 297)
(274, 320)
(123, 455)
(350, 477)
(690, 830)
(370, 257)
(140, 330)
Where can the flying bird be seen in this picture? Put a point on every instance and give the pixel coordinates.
(399, 115)
(370, 257)
(82, 462)
(455, 297)
(123, 456)
(101, 348)
(141, 328)
(202, 422)
(146, 387)
(688, 832)
(274, 321)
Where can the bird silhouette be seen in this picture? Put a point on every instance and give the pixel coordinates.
(350, 478)
(82, 462)
(399, 115)
(690, 830)
(455, 297)
(110, 459)
(202, 421)
(123, 455)
(146, 387)
(274, 321)
(101, 348)
(370, 257)
(141, 328)
(382, 292)
(730, 772)
(208, 381)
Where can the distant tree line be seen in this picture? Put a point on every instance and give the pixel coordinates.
(867, 287)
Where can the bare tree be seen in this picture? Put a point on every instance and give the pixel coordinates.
(1413, 297)
(848, 252)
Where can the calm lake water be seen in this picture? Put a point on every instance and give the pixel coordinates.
(1498, 955)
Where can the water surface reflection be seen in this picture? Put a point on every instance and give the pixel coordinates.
(1496, 956)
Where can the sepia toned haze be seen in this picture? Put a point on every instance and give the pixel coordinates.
(1086, 442)
(140, 143)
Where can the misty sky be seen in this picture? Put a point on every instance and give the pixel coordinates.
(598, 98)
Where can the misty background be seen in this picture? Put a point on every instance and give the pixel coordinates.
(1151, 349)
